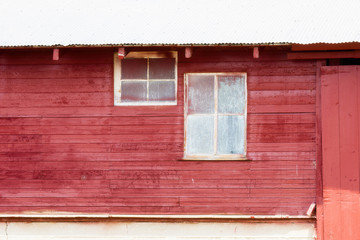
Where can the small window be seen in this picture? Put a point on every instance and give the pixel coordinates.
(215, 116)
(146, 78)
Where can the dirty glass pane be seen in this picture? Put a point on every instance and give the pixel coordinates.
(231, 94)
(162, 91)
(200, 94)
(134, 68)
(133, 91)
(231, 134)
(162, 68)
(200, 135)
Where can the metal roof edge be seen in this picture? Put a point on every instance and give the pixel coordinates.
(294, 46)
(147, 45)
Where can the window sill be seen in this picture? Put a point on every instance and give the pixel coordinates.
(212, 158)
(116, 104)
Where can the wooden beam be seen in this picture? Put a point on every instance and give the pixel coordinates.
(256, 52)
(323, 55)
(121, 53)
(56, 54)
(325, 46)
(319, 162)
(188, 52)
(311, 209)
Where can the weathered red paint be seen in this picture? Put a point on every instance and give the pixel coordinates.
(326, 46)
(340, 106)
(256, 52)
(324, 55)
(188, 52)
(319, 165)
(121, 53)
(56, 54)
(65, 147)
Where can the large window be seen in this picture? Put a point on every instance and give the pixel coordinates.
(215, 116)
(145, 78)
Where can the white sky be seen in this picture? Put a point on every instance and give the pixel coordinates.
(66, 22)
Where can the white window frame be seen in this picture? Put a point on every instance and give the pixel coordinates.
(118, 80)
(215, 156)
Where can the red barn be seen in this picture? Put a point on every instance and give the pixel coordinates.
(182, 124)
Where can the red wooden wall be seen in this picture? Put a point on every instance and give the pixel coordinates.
(341, 151)
(65, 147)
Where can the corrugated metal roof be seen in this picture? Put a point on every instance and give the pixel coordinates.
(177, 22)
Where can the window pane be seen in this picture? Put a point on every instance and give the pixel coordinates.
(134, 68)
(162, 68)
(231, 94)
(200, 94)
(200, 135)
(231, 135)
(162, 91)
(133, 91)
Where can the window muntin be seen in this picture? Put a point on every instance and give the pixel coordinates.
(146, 78)
(215, 116)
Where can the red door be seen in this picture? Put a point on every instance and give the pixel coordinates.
(340, 103)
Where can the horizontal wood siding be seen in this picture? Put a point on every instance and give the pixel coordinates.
(65, 147)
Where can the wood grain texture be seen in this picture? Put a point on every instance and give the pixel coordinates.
(65, 147)
(331, 155)
(349, 152)
(319, 205)
(340, 100)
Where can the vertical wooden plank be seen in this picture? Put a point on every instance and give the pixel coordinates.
(358, 106)
(356, 186)
(319, 177)
(357, 192)
(349, 163)
(330, 147)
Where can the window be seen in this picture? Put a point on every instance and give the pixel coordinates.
(215, 116)
(145, 78)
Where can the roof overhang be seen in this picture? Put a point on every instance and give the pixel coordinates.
(113, 23)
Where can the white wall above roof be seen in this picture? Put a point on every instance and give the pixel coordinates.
(93, 22)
